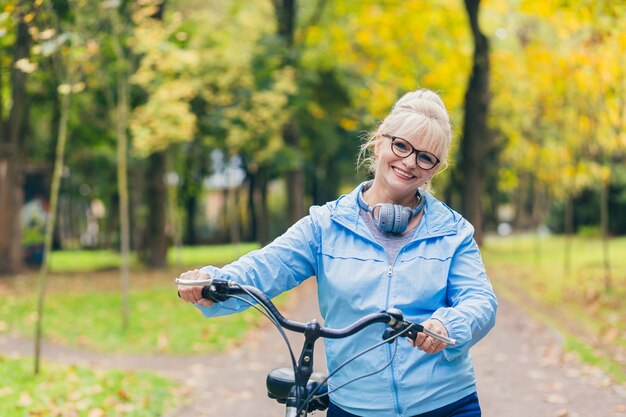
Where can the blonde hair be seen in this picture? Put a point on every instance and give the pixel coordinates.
(419, 115)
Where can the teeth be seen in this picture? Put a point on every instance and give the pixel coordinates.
(404, 174)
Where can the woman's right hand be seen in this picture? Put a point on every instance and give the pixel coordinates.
(193, 294)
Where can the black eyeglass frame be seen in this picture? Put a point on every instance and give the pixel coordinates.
(417, 152)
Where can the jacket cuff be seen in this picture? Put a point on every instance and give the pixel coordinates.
(222, 308)
(458, 329)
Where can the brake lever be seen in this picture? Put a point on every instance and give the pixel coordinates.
(193, 282)
(414, 329)
(413, 334)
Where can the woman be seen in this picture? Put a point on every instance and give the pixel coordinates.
(388, 243)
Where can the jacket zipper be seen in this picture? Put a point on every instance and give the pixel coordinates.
(394, 385)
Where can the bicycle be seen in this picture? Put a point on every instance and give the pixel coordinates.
(300, 388)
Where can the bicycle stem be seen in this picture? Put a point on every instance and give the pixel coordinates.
(303, 371)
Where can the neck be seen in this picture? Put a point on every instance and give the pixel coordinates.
(376, 194)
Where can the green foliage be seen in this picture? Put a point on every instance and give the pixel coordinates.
(211, 75)
(79, 391)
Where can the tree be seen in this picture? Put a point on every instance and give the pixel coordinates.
(475, 142)
(286, 12)
(14, 138)
(122, 110)
(68, 56)
(165, 75)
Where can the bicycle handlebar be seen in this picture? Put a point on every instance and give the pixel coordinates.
(219, 290)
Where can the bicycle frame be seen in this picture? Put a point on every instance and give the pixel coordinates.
(301, 393)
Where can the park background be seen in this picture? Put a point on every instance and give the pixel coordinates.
(139, 138)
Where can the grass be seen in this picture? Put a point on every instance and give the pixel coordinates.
(84, 308)
(78, 391)
(572, 296)
(159, 322)
(96, 260)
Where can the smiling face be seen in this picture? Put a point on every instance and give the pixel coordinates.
(397, 179)
(421, 119)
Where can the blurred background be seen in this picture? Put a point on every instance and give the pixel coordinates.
(188, 122)
(163, 135)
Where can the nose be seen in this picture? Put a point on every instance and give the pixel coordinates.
(409, 161)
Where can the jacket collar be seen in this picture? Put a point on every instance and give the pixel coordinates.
(438, 218)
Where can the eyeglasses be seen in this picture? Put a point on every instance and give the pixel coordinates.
(402, 148)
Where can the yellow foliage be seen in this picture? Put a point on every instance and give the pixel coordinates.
(157, 124)
(348, 124)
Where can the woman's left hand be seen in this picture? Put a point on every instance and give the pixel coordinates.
(427, 343)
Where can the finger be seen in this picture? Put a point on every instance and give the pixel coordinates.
(189, 274)
(426, 343)
(204, 302)
(419, 339)
(190, 294)
(184, 293)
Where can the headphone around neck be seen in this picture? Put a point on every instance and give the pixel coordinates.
(391, 218)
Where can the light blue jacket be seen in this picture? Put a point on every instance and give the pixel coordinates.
(438, 274)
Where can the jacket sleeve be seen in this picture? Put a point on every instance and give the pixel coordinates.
(470, 296)
(278, 267)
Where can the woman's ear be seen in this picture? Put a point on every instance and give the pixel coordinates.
(377, 144)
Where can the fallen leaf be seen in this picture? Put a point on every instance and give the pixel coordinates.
(555, 399)
(123, 395)
(620, 409)
(25, 400)
(563, 412)
(610, 335)
(96, 412)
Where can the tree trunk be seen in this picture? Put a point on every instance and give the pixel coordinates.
(54, 197)
(12, 157)
(251, 180)
(122, 110)
(286, 21)
(475, 142)
(191, 208)
(295, 177)
(194, 170)
(604, 221)
(234, 227)
(259, 206)
(155, 243)
(569, 231)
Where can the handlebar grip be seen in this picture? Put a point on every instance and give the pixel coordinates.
(216, 292)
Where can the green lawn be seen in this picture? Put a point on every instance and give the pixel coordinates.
(84, 308)
(94, 260)
(61, 390)
(573, 295)
(159, 322)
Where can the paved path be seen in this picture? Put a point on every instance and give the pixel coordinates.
(520, 366)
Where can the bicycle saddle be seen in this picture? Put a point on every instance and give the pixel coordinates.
(280, 381)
